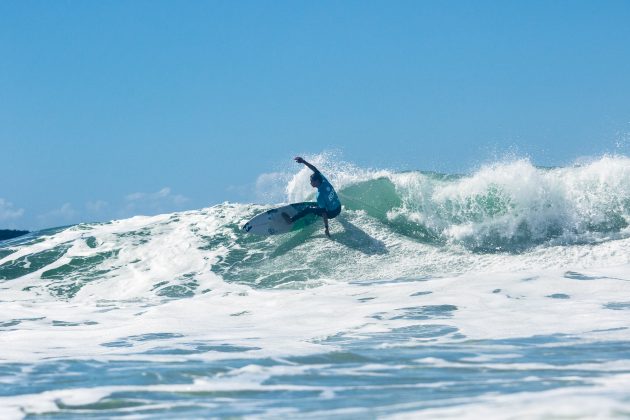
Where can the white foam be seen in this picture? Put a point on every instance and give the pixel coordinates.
(500, 199)
(123, 301)
(606, 398)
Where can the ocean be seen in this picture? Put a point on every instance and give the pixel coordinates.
(503, 293)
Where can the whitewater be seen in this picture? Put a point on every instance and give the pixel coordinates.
(502, 293)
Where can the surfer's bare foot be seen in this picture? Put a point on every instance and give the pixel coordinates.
(287, 218)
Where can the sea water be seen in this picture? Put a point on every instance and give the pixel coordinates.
(504, 293)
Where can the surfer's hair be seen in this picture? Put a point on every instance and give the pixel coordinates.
(317, 177)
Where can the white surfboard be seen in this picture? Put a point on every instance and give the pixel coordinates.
(271, 222)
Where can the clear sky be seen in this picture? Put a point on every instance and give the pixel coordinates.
(115, 108)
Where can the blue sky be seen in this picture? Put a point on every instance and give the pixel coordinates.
(109, 109)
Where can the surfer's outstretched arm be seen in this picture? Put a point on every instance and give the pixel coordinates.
(326, 231)
(299, 159)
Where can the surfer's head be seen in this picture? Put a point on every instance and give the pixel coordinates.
(316, 179)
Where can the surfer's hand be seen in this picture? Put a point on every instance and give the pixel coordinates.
(327, 232)
(298, 159)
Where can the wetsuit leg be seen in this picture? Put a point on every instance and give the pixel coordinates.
(308, 210)
(334, 213)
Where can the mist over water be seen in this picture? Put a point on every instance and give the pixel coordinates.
(437, 295)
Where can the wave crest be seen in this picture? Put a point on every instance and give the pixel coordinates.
(504, 206)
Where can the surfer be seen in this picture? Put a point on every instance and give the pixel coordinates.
(328, 204)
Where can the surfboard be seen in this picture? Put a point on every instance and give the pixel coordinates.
(271, 222)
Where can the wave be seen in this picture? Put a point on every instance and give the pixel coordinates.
(504, 206)
(506, 216)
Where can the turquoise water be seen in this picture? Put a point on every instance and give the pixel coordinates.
(504, 293)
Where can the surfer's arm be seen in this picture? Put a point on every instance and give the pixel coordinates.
(326, 231)
(298, 159)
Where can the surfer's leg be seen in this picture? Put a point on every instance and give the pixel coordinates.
(308, 210)
(334, 213)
